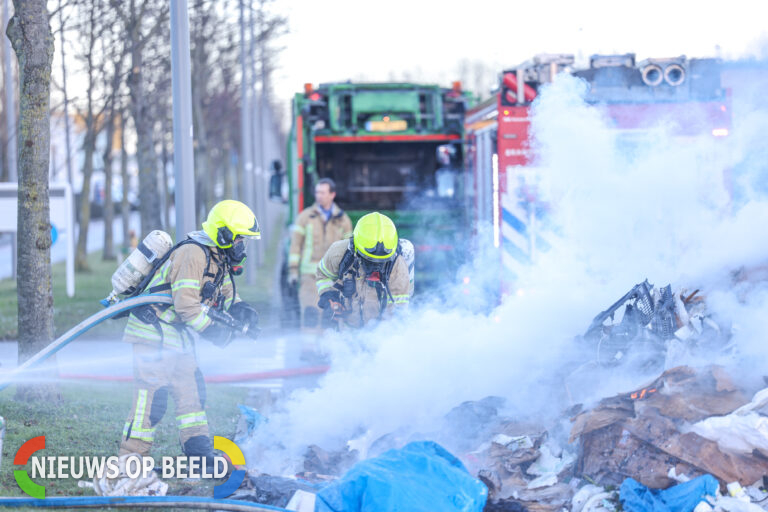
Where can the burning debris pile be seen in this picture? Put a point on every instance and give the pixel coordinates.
(646, 434)
(688, 439)
(687, 423)
(648, 324)
(528, 472)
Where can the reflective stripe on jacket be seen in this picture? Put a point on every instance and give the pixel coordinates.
(185, 273)
(364, 306)
(312, 236)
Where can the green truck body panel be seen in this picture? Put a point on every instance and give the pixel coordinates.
(379, 142)
(347, 102)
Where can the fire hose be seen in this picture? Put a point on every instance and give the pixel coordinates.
(281, 373)
(101, 502)
(126, 305)
(87, 324)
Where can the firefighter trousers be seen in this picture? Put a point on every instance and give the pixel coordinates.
(160, 373)
(310, 313)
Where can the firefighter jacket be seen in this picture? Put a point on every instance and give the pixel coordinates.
(370, 300)
(184, 274)
(312, 236)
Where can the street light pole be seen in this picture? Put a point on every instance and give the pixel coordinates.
(258, 180)
(263, 175)
(10, 103)
(183, 156)
(10, 123)
(66, 96)
(246, 162)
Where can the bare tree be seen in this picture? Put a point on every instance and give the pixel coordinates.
(165, 158)
(109, 206)
(476, 76)
(4, 173)
(30, 34)
(125, 205)
(481, 85)
(91, 30)
(222, 111)
(159, 76)
(62, 45)
(112, 40)
(143, 21)
(215, 40)
(205, 177)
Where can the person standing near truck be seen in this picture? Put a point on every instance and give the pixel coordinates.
(315, 230)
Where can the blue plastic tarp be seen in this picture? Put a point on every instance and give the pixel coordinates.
(253, 420)
(635, 497)
(420, 476)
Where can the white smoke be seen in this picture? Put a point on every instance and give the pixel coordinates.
(654, 208)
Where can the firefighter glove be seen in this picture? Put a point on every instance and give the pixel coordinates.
(218, 333)
(328, 299)
(243, 313)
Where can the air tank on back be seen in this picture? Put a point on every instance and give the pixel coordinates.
(139, 264)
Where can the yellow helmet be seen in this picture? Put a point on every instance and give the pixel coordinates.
(229, 219)
(375, 237)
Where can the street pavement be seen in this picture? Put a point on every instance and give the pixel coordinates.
(107, 359)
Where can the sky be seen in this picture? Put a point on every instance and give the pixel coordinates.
(426, 40)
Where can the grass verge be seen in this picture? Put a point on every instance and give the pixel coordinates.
(89, 418)
(90, 288)
(94, 285)
(88, 421)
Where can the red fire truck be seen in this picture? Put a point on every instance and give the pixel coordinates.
(509, 215)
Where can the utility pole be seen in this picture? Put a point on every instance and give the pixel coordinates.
(10, 98)
(258, 181)
(183, 157)
(263, 172)
(10, 121)
(246, 162)
(66, 96)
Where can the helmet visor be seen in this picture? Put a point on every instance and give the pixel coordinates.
(378, 252)
(254, 233)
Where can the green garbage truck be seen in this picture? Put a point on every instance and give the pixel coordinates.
(396, 148)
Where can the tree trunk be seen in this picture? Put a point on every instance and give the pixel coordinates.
(3, 135)
(109, 207)
(166, 192)
(32, 39)
(149, 198)
(229, 192)
(204, 188)
(125, 206)
(89, 148)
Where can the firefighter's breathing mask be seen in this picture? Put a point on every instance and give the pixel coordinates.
(369, 267)
(236, 253)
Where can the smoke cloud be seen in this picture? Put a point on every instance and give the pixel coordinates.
(627, 207)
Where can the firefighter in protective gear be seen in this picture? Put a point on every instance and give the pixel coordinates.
(316, 228)
(364, 278)
(199, 275)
